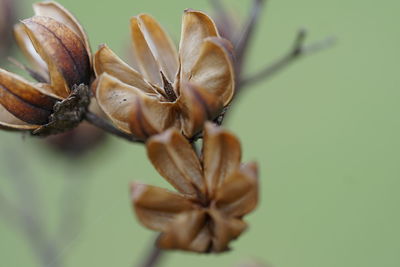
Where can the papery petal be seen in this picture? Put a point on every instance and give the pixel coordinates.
(197, 106)
(238, 195)
(58, 12)
(145, 59)
(10, 122)
(149, 116)
(22, 109)
(62, 50)
(33, 94)
(27, 48)
(196, 26)
(202, 242)
(214, 70)
(160, 44)
(221, 156)
(116, 99)
(225, 229)
(25, 101)
(183, 231)
(156, 207)
(105, 60)
(175, 159)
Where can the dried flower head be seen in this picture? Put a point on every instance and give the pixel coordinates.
(215, 191)
(170, 89)
(59, 52)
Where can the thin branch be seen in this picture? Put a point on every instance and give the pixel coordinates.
(296, 52)
(109, 128)
(153, 257)
(73, 200)
(242, 45)
(27, 213)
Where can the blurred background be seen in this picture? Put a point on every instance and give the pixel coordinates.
(325, 132)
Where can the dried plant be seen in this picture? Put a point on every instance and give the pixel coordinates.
(58, 49)
(215, 191)
(173, 99)
(170, 89)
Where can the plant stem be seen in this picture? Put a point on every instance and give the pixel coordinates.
(296, 52)
(242, 45)
(109, 128)
(153, 257)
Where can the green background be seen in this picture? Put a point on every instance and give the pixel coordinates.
(325, 133)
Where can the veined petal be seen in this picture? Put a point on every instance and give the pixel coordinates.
(22, 109)
(145, 59)
(213, 69)
(160, 44)
(10, 122)
(174, 158)
(25, 101)
(62, 50)
(116, 99)
(28, 92)
(196, 26)
(105, 60)
(183, 231)
(58, 12)
(27, 48)
(197, 106)
(156, 207)
(238, 195)
(221, 156)
(225, 229)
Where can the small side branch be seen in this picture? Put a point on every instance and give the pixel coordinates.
(109, 128)
(298, 50)
(242, 45)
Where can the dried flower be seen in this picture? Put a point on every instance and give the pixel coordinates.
(58, 49)
(169, 89)
(215, 191)
(7, 19)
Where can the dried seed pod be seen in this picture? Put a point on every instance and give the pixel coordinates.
(170, 89)
(214, 193)
(59, 52)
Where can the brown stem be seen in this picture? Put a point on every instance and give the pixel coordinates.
(153, 257)
(242, 45)
(109, 128)
(296, 52)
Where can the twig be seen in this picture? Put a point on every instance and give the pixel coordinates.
(296, 52)
(109, 128)
(153, 257)
(72, 202)
(242, 44)
(27, 212)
